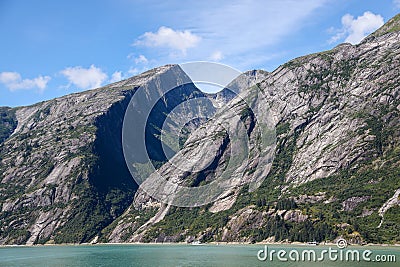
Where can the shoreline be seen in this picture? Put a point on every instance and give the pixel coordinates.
(214, 243)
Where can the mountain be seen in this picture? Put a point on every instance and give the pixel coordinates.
(63, 173)
(335, 170)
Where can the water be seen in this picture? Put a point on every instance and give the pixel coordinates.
(168, 255)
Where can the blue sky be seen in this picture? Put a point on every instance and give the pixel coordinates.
(52, 48)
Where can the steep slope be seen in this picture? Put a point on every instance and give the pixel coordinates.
(63, 174)
(336, 170)
(209, 144)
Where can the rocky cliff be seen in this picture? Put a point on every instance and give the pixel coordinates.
(335, 171)
(63, 173)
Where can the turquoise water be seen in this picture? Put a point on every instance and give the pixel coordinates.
(168, 255)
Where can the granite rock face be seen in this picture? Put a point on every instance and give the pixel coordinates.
(63, 174)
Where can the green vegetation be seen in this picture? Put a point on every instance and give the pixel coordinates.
(368, 180)
(8, 122)
(245, 113)
(282, 128)
(88, 217)
(285, 204)
(191, 221)
(282, 230)
(16, 233)
(136, 218)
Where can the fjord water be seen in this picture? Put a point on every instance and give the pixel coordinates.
(165, 255)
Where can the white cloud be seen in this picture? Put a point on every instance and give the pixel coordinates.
(10, 77)
(216, 56)
(85, 78)
(133, 71)
(116, 77)
(141, 59)
(167, 37)
(13, 81)
(247, 30)
(396, 3)
(354, 30)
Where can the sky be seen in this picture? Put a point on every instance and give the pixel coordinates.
(52, 48)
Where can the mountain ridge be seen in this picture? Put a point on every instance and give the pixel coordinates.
(335, 172)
